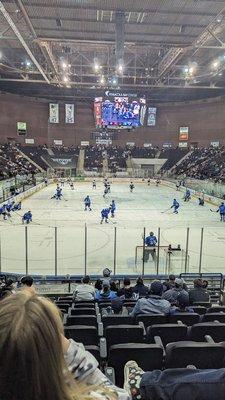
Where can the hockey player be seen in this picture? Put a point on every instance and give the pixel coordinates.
(58, 194)
(178, 184)
(201, 201)
(113, 208)
(105, 191)
(3, 212)
(158, 182)
(71, 185)
(131, 187)
(17, 206)
(46, 182)
(27, 217)
(175, 205)
(150, 243)
(105, 215)
(187, 195)
(94, 184)
(221, 210)
(149, 181)
(87, 203)
(108, 188)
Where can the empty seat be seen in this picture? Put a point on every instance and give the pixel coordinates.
(186, 318)
(95, 351)
(199, 309)
(86, 302)
(123, 334)
(117, 320)
(89, 320)
(201, 355)
(214, 329)
(148, 357)
(167, 332)
(88, 335)
(202, 303)
(65, 298)
(82, 311)
(84, 305)
(216, 309)
(63, 306)
(151, 319)
(214, 317)
(104, 305)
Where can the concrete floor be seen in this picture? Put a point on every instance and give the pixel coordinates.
(142, 208)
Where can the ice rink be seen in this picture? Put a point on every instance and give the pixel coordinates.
(142, 208)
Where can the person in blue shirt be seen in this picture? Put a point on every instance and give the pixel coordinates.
(87, 203)
(58, 193)
(17, 206)
(150, 243)
(3, 212)
(113, 208)
(187, 195)
(221, 210)
(105, 215)
(27, 217)
(105, 293)
(175, 205)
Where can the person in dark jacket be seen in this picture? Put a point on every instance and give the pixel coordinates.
(126, 291)
(140, 288)
(198, 294)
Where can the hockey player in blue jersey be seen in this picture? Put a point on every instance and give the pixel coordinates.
(58, 194)
(3, 212)
(187, 195)
(150, 243)
(27, 217)
(113, 208)
(221, 210)
(17, 206)
(105, 215)
(175, 205)
(87, 203)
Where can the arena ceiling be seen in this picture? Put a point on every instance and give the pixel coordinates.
(165, 49)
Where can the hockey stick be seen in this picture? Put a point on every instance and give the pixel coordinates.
(163, 212)
(213, 210)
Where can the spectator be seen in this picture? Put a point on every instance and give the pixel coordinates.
(126, 291)
(84, 291)
(105, 293)
(27, 284)
(7, 289)
(140, 288)
(98, 285)
(106, 275)
(171, 294)
(198, 294)
(154, 303)
(170, 283)
(37, 361)
(182, 304)
(113, 286)
(205, 284)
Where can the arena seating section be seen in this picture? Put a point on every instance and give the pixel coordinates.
(204, 164)
(12, 163)
(153, 341)
(172, 156)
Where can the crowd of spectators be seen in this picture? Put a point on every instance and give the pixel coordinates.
(93, 160)
(117, 158)
(205, 163)
(12, 163)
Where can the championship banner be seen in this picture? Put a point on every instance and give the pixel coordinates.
(69, 113)
(151, 116)
(98, 111)
(184, 133)
(53, 113)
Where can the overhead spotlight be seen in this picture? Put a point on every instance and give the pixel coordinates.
(28, 63)
(191, 70)
(65, 79)
(215, 64)
(219, 18)
(1, 55)
(220, 74)
(64, 65)
(102, 80)
(186, 70)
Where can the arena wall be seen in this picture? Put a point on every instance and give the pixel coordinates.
(205, 119)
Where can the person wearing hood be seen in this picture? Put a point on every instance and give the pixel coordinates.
(105, 293)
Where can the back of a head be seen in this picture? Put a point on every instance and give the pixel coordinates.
(31, 356)
(198, 283)
(9, 282)
(27, 280)
(172, 278)
(126, 282)
(179, 283)
(183, 300)
(106, 272)
(86, 279)
(156, 288)
(139, 281)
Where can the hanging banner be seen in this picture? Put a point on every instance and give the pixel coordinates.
(183, 134)
(151, 116)
(69, 113)
(53, 113)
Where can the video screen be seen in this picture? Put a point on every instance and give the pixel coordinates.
(120, 112)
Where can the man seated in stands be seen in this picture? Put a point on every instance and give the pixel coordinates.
(172, 294)
(198, 294)
(126, 291)
(182, 304)
(140, 289)
(105, 293)
(84, 291)
(170, 283)
(154, 303)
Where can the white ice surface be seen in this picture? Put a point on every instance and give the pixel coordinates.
(142, 208)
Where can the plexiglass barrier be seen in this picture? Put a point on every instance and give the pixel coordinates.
(87, 249)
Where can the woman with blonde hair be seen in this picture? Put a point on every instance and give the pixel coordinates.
(37, 362)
